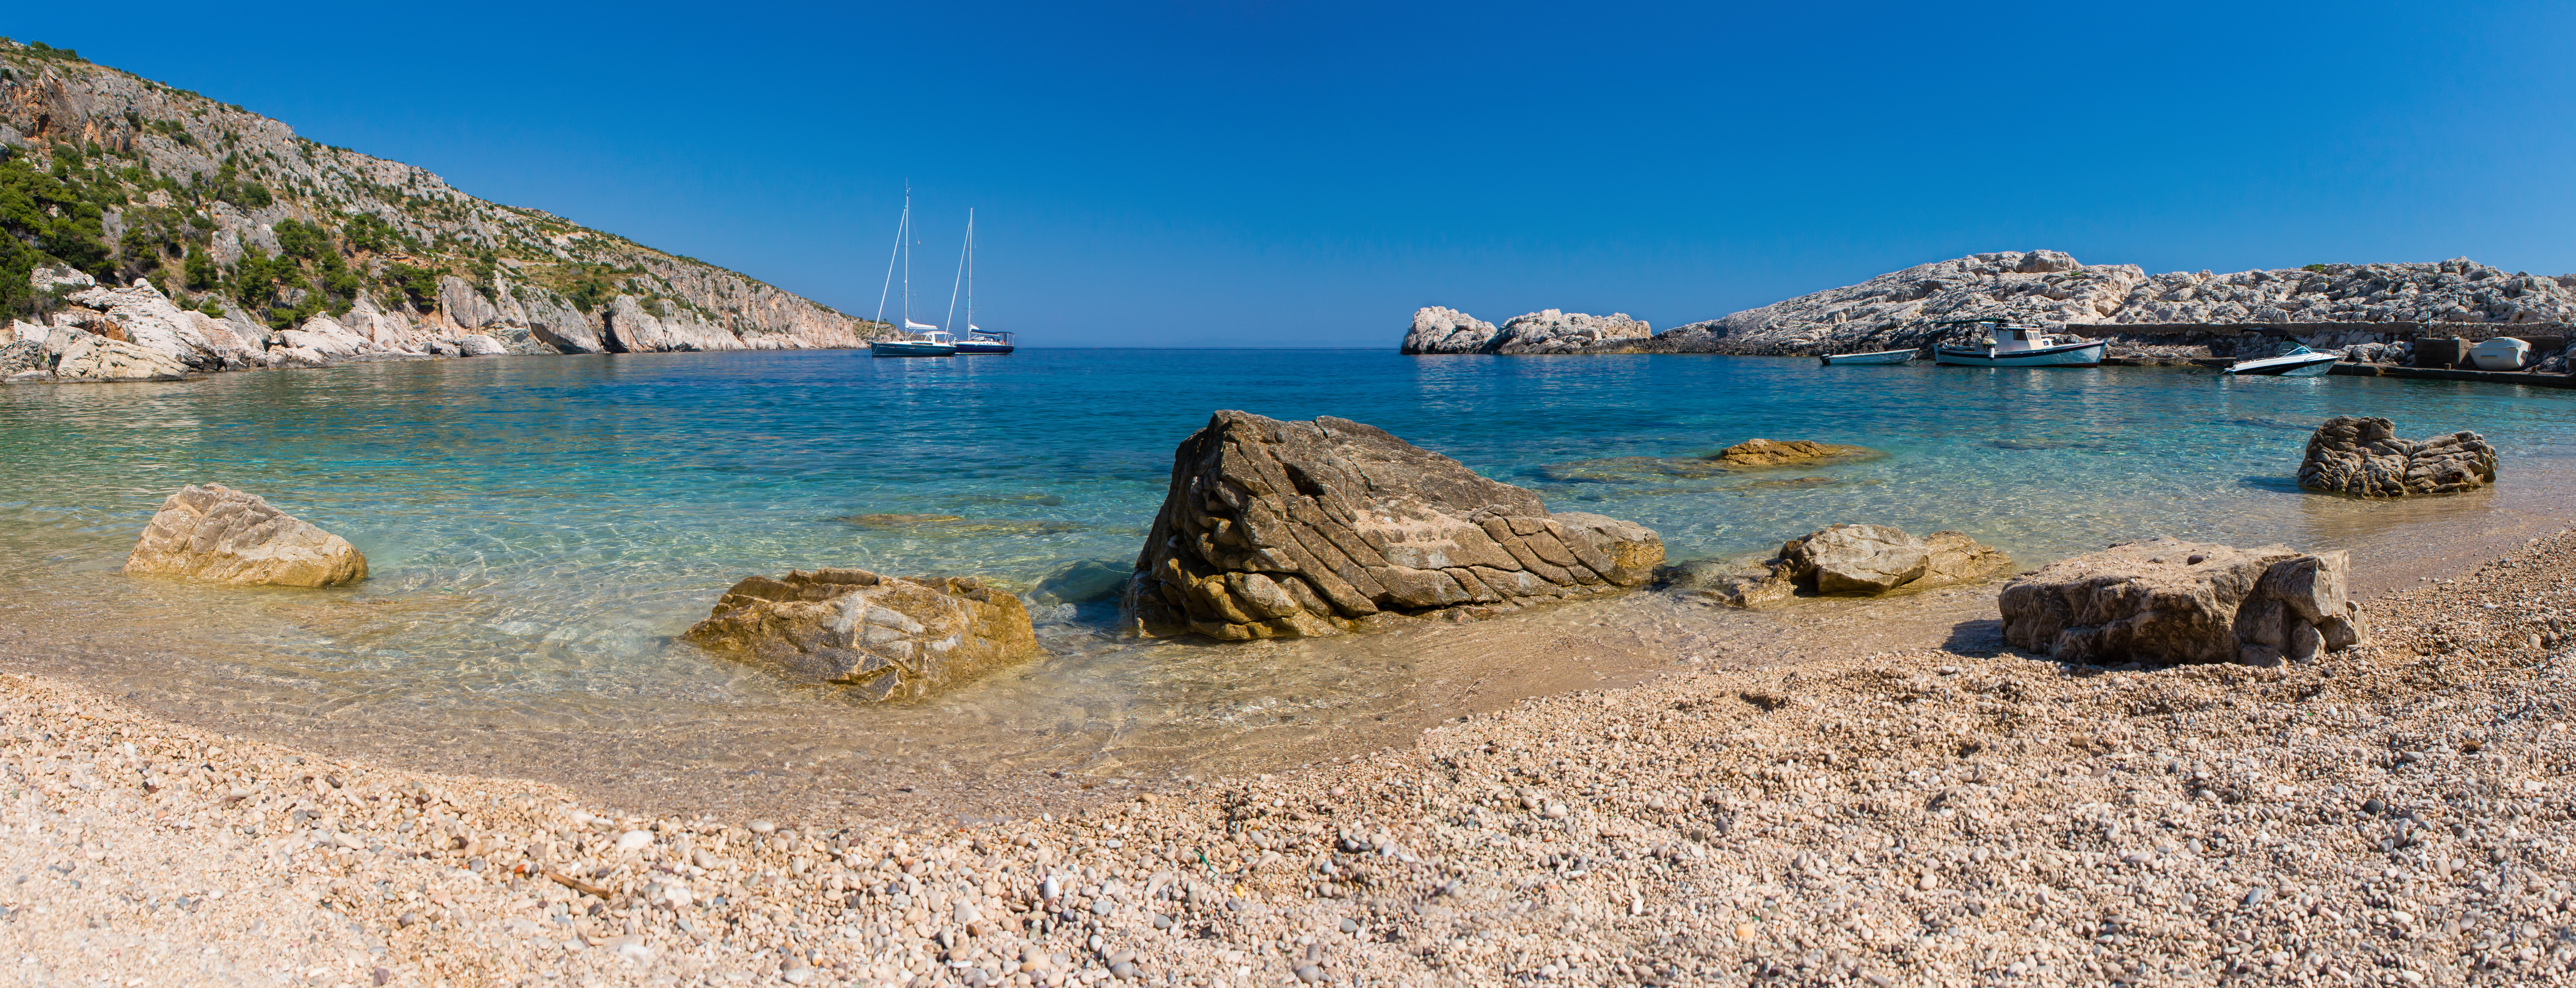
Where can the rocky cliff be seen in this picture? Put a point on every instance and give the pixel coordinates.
(209, 215)
(2178, 314)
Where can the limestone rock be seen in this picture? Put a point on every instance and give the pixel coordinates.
(60, 279)
(555, 322)
(1765, 453)
(295, 358)
(90, 358)
(2173, 601)
(1956, 558)
(145, 318)
(2363, 457)
(1302, 529)
(1444, 330)
(216, 534)
(1553, 331)
(479, 345)
(1863, 559)
(324, 335)
(892, 638)
(22, 361)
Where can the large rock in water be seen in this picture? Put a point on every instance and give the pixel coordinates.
(91, 358)
(1278, 529)
(890, 637)
(1438, 329)
(217, 534)
(2364, 457)
(2172, 601)
(1855, 559)
(1442, 330)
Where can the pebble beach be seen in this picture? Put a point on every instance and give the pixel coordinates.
(2392, 814)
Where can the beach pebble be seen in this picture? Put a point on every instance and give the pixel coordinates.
(762, 827)
(634, 840)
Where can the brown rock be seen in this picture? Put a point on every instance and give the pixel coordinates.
(2363, 457)
(891, 637)
(1278, 529)
(1765, 453)
(2170, 601)
(1956, 558)
(1863, 559)
(217, 534)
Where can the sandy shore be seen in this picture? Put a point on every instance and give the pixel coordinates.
(2396, 814)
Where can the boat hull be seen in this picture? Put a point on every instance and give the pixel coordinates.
(2069, 355)
(1879, 357)
(905, 348)
(984, 348)
(2304, 365)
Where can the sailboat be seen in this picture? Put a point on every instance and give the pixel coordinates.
(978, 339)
(918, 340)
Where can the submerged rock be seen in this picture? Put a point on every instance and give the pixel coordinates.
(1847, 559)
(890, 637)
(1278, 529)
(2172, 601)
(1765, 453)
(220, 535)
(2364, 457)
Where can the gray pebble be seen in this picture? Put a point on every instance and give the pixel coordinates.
(1350, 925)
(1310, 974)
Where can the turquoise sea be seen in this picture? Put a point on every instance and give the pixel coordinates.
(539, 528)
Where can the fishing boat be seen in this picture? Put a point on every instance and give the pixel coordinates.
(2007, 345)
(2299, 362)
(1873, 357)
(2503, 353)
(919, 340)
(978, 339)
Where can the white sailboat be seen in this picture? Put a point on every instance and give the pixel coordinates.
(978, 339)
(918, 340)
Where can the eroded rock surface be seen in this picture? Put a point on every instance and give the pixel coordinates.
(2177, 602)
(2363, 457)
(1278, 529)
(1846, 560)
(85, 357)
(890, 638)
(217, 534)
(1443, 330)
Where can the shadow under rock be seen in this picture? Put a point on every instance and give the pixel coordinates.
(1983, 638)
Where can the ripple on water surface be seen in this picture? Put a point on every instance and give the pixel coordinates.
(541, 529)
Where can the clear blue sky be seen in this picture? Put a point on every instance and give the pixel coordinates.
(1264, 174)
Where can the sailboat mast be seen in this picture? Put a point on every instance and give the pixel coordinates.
(907, 260)
(966, 253)
(898, 249)
(970, 269)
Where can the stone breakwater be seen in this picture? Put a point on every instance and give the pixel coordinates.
(2175, 316)
(2396, 813)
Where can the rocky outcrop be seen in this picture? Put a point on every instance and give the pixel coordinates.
(1758, 453)
(1439, 330)
(1276, 529)
(889, 638)
(2181, 602)
(2363, 457)
(631, 329)
(1444, 330)
(88, 358)
(220, 535)
(479, 345)
(23, 362)
(2169, 317)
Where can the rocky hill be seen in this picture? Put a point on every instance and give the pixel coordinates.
(148, 202)
(2334, 304)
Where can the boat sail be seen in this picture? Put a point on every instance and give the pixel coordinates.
(978, 339)
(918, 340)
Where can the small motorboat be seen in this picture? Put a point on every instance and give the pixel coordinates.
(2299, 362)
(1873, 357)
(984, 341)
(930, 343)
(2503, 353)
(2019, 346)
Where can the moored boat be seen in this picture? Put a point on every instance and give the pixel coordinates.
(984, 341)
(2299, 362)
(932, 343)
(1873, 357)
(978, 339)
(2019, 346)
(2503, 353)
(918, 339)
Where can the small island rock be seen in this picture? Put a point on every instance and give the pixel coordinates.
(2173, 601)
(217, 534)
(2363, 456)
(1765, 453)
(892, 638)
(1278, 529)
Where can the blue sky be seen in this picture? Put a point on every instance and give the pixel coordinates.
(1269, 174)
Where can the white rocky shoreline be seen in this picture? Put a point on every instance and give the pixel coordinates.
(2173, 317)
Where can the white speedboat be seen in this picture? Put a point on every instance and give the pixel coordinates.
(2007, 345)
(2299, 362)
(2503, 353)
(1873, 357)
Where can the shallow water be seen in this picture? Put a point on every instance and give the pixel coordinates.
(538, 529)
